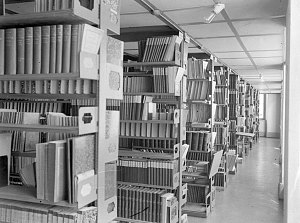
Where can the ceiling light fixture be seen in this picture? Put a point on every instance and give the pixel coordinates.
(216, 10)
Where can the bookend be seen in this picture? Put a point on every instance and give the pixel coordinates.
(5, 158)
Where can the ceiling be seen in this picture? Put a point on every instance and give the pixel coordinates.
(248, 35)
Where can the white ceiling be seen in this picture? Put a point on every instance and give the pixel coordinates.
(248, 35)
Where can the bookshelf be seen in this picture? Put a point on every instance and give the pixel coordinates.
(65, 106)
(221, 125)
(152, 130)
(201, 165)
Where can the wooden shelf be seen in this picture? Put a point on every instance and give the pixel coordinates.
(199, 125)
(151, 64)
(186, 174)
(194, 101)
(46, 96)
(27, 194)
(38, 128)
(198, 79)
(42, 18)
(196, 209)
(146, 185)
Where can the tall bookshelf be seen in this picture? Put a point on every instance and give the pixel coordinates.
(202, 161)
(233, 113)
(66, 103)
(152, 131)
(221, 117)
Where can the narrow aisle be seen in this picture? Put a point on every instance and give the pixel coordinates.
(251, 194)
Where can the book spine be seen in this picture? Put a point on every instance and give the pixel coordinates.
(2, 50)
(28, 50)
(66, 56)
(10, 51)
(20, 51)
(37, 45)
(59, 48)
(45, 57)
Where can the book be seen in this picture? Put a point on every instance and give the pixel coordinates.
(20, 51)
(66, 56)
(11, 51)
(28, 175)
(2, 51)
(45, 57)
(28, 50)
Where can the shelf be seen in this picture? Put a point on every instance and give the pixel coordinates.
(196, 209)
(131, 220)
(52, 76)
(186, 174)
(144, 137)
(138, 74)
(194, 101)
(38, 128)
(150, 94)
(151, 64)
(24, 154)
(199, 125)
(165, 101)
(27, 194)
(150, 155)
(148, 121)
(198, 79)
(147, 185)
(42, 18)
(47, 96)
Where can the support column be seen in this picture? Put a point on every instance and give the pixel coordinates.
(292, 116)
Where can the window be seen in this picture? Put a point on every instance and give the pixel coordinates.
(262, 106)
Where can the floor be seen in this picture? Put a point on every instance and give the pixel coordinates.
(251, 194)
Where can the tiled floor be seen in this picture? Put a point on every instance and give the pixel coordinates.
(251, 194)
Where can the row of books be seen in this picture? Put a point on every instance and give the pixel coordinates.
(233, 97)
(232, 139)
(146, 204)
(232, 126)
(71, 158)
(16, 211)
(219, 180)
(197, 69)
(233, 111)
(220, 95)
(41, 49)
(161, 130)
(151, 172)
(33, 106)
(198, 90)
(147, 144)
(160, 49)
(220, 113)
(142, 108)
(48, 87)
(220, 78)
(198, 140)
(51, 5)
(199, 156)
(233, 82)
(197, 194)
(200, 113)
(221, 137)
(164, 79)
(132, 84)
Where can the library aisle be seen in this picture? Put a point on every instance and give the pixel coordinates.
(251, 195)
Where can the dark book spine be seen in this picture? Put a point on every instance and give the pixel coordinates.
(28, 50)
(20, 51)
(74, 67)
(59, 47)
(45, 49)
(2, 50)
(10, 51)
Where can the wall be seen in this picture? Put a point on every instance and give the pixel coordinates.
(273, 111)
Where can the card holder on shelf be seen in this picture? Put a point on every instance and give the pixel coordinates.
(86, 189)
(87, 120)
